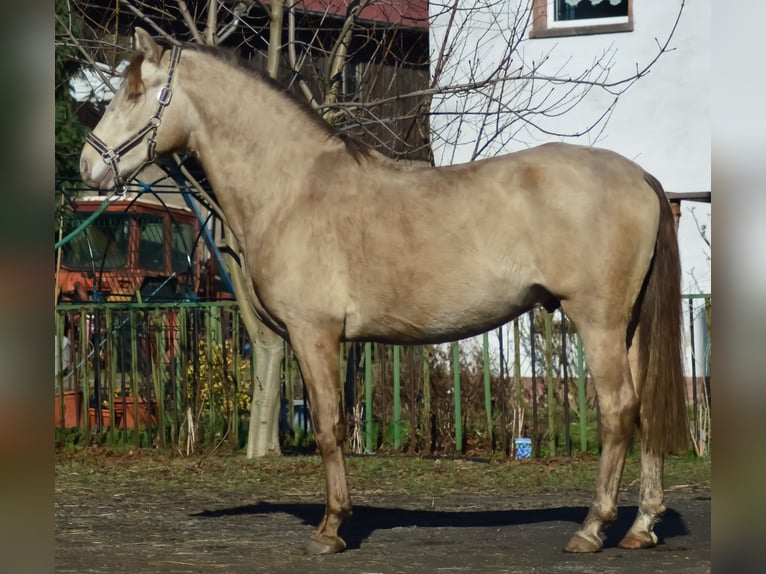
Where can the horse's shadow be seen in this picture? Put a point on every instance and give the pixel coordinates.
(368, 519)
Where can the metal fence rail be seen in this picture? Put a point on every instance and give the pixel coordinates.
(179, 375)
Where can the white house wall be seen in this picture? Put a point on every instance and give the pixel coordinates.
(662, 121)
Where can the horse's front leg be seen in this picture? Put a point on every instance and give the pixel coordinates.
(317, 353)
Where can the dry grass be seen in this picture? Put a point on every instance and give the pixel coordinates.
(302, 475)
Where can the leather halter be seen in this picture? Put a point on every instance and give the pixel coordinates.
(111, 155)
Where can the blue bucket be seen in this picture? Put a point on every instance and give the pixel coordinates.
(523, 448)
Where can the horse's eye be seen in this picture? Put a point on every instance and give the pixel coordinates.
(134, 95)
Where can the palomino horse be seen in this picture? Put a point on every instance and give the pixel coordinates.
(344, 244)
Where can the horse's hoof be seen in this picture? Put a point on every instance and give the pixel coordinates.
(325, 545)
(635, 540)
(583, 543)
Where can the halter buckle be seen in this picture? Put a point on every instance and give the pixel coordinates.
(110, 156)
(151, 145)
(164, 95)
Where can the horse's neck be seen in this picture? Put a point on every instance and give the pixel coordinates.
(256, 148)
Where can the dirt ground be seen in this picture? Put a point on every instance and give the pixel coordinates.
(115, 528)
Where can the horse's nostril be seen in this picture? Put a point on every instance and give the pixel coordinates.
(83, 168)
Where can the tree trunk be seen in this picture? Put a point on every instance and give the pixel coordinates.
(263, 433)
(268, 350)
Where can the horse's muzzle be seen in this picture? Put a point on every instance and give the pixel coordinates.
(96, 174)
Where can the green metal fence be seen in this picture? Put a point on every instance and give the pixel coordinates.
(162, 375)
(179, 375)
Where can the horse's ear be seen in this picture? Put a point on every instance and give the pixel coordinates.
(145, 44)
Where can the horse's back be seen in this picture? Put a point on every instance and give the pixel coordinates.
(457, 250)
(539, 214)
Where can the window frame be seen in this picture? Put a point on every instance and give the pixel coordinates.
(152, 245)
(105, 243)
(544, 27)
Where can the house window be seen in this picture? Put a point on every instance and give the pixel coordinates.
(577, 17)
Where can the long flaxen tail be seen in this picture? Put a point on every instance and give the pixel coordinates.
(663, 417)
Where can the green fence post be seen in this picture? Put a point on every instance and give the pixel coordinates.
(235, 350)
(209, 338)
(456, 388)
(427, 397)
(84, 382)
(565, 378)
(487, 385)
(60, 366)
(215, 324)
(133, 379)
(693, 364)
(519, 410)
(379, 353)
(290, 387)
(549, 381)
(368, 397)
(111, 354)
(162, 317)
(182, 377)
(581, 395)
(397, 398)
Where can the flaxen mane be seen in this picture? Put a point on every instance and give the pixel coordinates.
(134, 88)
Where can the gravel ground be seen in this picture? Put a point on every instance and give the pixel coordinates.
(115, 528)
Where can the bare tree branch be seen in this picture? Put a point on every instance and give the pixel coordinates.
(212, 23)
(239, 11)
(339, 54)
(294, 64)
(355, 75)
(88, 58)
(190, 22)
(275, 37)
(150, 22)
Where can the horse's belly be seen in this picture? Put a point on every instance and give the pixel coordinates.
(435, 320)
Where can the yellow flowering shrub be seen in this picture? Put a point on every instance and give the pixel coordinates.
(217, 382)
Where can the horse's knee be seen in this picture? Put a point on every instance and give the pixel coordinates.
(329, 437)
(340, 431)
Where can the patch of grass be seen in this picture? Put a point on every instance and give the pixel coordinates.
(232, 474)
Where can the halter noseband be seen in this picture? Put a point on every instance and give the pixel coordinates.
(111, 156)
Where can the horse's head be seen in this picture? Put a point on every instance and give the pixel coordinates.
(140, 123)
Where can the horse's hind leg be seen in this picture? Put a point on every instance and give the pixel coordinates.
(650, 503)
(618, 405)
(317, 354)
(650, 499)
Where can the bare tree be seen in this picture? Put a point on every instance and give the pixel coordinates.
(471, 85)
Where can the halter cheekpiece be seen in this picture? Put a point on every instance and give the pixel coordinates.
(111, 155)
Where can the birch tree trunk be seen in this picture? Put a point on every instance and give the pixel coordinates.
(268, 351)
(263, 433)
